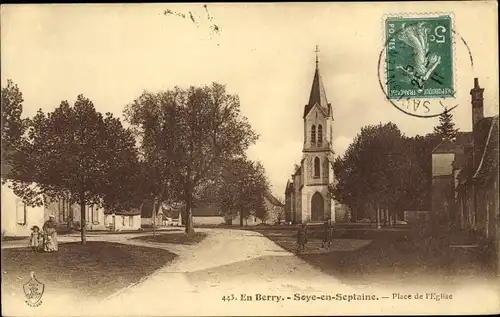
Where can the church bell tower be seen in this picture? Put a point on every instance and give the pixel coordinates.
(317, 204)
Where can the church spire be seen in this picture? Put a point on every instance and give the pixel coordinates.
(317, 95)
(317, 51)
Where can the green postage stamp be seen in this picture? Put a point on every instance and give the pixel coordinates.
(419, 57)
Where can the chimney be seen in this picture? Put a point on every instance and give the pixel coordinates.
(477, 103)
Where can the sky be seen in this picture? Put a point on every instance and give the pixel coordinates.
(264, 53)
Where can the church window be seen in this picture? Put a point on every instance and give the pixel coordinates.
(320, 134)
(316, 167)
(331, 135)
(313, 134)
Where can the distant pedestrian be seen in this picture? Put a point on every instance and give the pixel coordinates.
(302, 238)
(327, 233)
(35, 238)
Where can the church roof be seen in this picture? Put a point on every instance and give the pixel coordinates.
(317, 95)
(488, 164)
(273, 200)
(446, 146)
(486, 149)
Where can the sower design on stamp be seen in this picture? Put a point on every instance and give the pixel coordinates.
(419, 57)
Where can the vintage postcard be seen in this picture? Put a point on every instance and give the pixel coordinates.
(239, 159)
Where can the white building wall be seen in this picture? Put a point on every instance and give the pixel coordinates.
(210, 220)
(148, 222)
(123, 222)
(442, 164)
(14, 223)
(94, 216)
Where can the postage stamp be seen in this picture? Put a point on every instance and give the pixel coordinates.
(419, 57)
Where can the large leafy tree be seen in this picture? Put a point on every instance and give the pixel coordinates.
(446, 127)
(254, 193)
(369, 173)
(386, 169)
(77, 154)
(417, 171)
(123, 177)
(239, 188)
(186, 134)
(12, 125)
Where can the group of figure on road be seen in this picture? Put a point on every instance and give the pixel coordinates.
(328, 229)
(45, 240)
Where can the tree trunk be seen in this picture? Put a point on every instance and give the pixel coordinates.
(153, 218)
(241, 218)
(189, 214)
(378, 216)
(83, 220)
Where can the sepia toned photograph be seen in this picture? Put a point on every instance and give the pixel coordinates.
(239, 159)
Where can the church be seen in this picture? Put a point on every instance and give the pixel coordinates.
(307, 198)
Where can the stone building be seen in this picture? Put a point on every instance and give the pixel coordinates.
(477, 190)
(307, 197)
(465, 193)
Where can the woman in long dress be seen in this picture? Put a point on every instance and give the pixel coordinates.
(50, 235)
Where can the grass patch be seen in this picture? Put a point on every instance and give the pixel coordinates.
(141, 230)
(96, 269)
(13, 238)
(175, 238)
(391, 258)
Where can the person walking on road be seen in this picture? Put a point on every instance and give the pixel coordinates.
(302, 238)
(327, 233)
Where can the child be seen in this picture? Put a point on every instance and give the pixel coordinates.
(49, 244)
(302, 238)
(35, 238)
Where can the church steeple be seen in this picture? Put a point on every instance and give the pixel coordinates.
(317, 95)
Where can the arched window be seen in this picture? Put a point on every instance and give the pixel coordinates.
(317, 167)
(313, 134)
(320, 134)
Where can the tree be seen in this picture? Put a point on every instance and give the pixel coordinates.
(12, 125)
(254, 189)
(229, 187)
(369, 173)
(122, 178)
(446, 128)
(260, 208)
(417, 173)
(386, 169)
(281, 211)
(186, 134)
(239, 188)
(77, 154)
